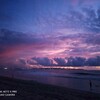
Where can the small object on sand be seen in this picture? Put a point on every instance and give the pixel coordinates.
(90, 83)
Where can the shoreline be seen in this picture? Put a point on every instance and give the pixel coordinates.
(31, 90)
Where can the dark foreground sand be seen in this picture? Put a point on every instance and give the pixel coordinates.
(30, 90)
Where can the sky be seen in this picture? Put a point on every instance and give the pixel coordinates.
(49, 28)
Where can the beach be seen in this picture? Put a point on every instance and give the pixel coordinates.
(31, 90)
(74, 79)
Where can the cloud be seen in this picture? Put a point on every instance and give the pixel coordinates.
(8, 37)
(95, 61)
(32, 62)
(17, 45)
(84, 18)
(60, 61)
(58, 33)
(80, 46)
(67, 61)
(93, 38)
(17, 40)
(43, 61)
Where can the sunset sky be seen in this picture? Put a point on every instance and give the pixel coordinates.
(49, 28)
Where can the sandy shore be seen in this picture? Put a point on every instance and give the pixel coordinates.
(30, 90)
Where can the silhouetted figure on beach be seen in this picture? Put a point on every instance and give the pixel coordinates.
(90, 83)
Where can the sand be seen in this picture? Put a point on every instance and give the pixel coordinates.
(31, 90)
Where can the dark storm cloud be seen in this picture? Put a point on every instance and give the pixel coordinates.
(95, 61)
(71, 61)
(60, 61)
(43, 61)
(22, 61)
(76, 61)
